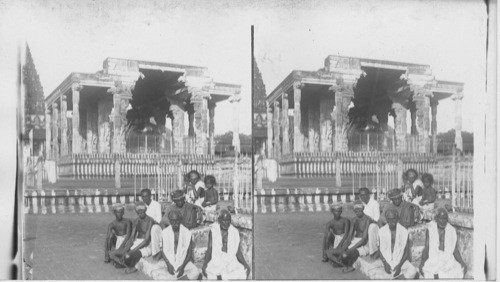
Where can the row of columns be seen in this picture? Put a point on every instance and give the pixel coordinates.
(332, 114)
(99, 135)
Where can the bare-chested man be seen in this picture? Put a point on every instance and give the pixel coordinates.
(336, 237)
(224, 259)
(118, 231)
(144, 240)
(359, 237)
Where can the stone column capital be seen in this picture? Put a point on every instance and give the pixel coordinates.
(76, 86)
(235, 99)
(55, 105)
(63, 98)
(298, 84)
(457, 96)
(344, 87)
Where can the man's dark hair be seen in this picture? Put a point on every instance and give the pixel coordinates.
(194, 171)
(413, 170)
(364, 189)
(428, 176)
(146, 190)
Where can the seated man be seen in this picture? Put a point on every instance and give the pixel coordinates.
(406, 210)
(145, 239)
(153, 207)
(189, 212)
(372, 209)
(119, 232)
(441, 257)
(394, 251)
(359, 237)
(224, 259)
(336, 237)
(414, 188)
(177, 251)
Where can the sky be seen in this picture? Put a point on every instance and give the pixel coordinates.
(450, 36)
(77, 36)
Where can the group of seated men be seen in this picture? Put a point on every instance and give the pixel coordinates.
(384, 237)
(168, 242)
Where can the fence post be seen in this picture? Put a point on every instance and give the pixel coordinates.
(180, 177)
(400, 173)
(338, 180)
(117, 174)
(235, 182)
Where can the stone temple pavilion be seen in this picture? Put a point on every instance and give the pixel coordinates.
(97, 113)
(336, 107)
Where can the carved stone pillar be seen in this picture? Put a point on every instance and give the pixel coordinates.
(211, 127)
(270, 131)
(298, 138)
(104, 112)
(55, 131)
(400, 126)
(92, 117)
(285, 126)
(276, 130)
(458, 120)
(177, 108)
(121, 95)
(64, 126)
(343, 95)
(326, 126)
(313, 125)
(200, 122)
(48, 136)
(422, 104)
(434, 104)
(235, 100)
(76, 138)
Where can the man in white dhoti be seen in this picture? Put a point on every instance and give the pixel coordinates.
(394, 251)
(441, 257)
(372, 210)
(153, 207)
(118, 231)
(336, 239)
(145, 239)
(177, 252)
(224, 259)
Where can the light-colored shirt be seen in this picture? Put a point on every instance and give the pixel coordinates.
(154, 211)
(372, 209)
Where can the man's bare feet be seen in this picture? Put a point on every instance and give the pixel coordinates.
(348, 269)
(130, 270)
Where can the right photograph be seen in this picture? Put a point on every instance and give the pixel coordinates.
(364, 139)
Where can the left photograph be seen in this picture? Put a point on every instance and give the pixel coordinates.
(136, 133)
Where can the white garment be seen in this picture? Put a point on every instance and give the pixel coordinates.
(154, 245)
(222, 263)
(176, 257)
(119, 241)
(393, 257)
(363, 250)
(377, 271)
(442, 263)
(372, 209)
(154, 211)
(373, 238)
(191, 272)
